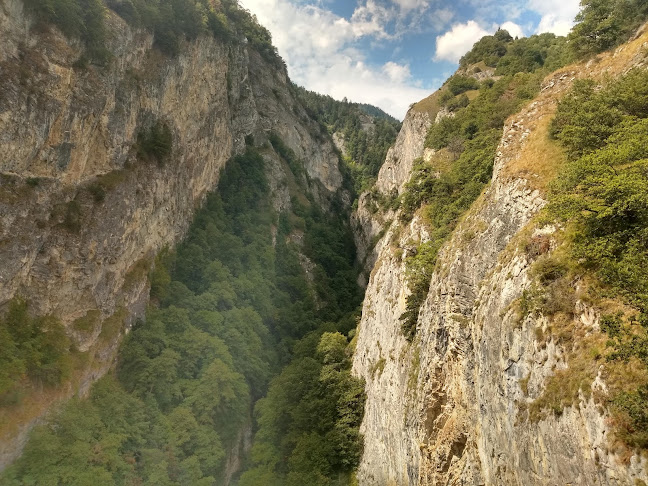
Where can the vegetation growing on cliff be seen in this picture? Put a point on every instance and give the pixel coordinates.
(445, 188)
(602, 198)
(171, 21)
(510, 56)
(232, 310)
(604, 24)
(367, 132)
(33, 350)
(471, 133)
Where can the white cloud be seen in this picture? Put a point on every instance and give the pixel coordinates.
(514, 29)
(557, 16)
(455, 43)
(440, 18)
(461, 38)
(318, 47)
(371, 19)
(398, 73)
(412, 4)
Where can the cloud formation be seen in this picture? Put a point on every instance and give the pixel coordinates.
(459, 40)
(346, 56)
(557, 15)
(319, 49)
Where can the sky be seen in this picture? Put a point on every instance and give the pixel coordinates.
(392, 53)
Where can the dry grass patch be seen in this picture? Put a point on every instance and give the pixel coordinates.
(539, 158)
(429, 105)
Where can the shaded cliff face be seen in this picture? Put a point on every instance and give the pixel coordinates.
(450, 408)
(81, 216)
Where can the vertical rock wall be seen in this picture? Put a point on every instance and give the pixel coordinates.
(67, 130)
(450, 408)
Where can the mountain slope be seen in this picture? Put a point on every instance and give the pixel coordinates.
(104, 166)
(493, 394)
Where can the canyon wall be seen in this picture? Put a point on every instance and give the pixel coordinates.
(82, 214)
(452, 407)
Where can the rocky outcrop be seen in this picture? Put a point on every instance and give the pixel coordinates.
(371, 221)
(82, 216)
(409, 146)
(451, 407)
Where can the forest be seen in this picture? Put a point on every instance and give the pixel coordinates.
(235, 318)
(367, 131)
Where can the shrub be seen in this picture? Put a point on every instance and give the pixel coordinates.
(458, 84)
(488, 49)
(72, 218)
(458, 103)
(98, 192)
(603, 24)
(35, 348)
(156, 142)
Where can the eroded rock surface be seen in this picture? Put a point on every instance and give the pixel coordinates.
(450, 408)
(82, 216)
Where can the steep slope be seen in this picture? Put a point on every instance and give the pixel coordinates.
(367, 221)
(452, 407)
(84, 211)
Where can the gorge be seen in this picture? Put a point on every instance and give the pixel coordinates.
(208, 278)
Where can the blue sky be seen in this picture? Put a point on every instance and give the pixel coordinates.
(392, 53)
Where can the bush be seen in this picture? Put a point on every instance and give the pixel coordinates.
(488, 49)
(72, 219)
(156, 142)
(35, 348)
(458, 84)
(604, 24)
(458, 103)
(82, 19)
(602, 190)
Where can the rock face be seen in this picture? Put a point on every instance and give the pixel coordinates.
(367, 221)
(409, 145)
(450, 408)
(82, 217)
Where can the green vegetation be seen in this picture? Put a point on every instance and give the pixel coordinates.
(171, 21)
(82, 19)
(444, 192)
(35, 350)
(72, 218)
(602, 191)
(488, 49)
(368, 133)
(458, 84)
(310, 419)
(156, 142)
(232, 311)
(528, 54)
(604, 24)
(602, 196)
(510, 56)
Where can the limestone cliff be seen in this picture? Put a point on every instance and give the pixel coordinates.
(369, 223)
(82, 217)
(449, 408)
